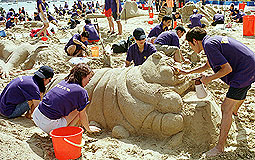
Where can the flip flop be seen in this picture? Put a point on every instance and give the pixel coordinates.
(113, 32)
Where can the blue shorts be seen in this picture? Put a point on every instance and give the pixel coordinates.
(19, 110)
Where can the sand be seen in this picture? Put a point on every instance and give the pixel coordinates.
(21, 139)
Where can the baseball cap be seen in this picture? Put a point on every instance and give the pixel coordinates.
(139, 34)
(45, 72)
(195, 10)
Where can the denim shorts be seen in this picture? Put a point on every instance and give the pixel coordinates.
(19, 110)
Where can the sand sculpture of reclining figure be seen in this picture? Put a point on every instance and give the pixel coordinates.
(146, 100)
(12, 56)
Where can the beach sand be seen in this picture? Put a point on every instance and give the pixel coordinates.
(21, 139)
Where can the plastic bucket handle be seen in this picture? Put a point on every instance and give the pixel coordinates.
(74, 144)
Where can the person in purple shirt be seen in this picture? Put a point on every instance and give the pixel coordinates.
(232, 62)
(232, 9)
(10, 23)
(93, 34)
(2, 20)
(66, 6)
(195, 19)
(9, 14)
(170, 39)
(218, 18)
(108, 14)
(158, 29)
(77, 45)
(24, 93)
(51, 19)
(141, 50)
(116, 10)
(79, 4)
(43, 15)
(65, 104)
(36, 17)
(238, 16)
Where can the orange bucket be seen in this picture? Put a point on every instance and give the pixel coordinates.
(151, 15)
(67, 142)
(248, 25)
(150, 22)
(95, 51)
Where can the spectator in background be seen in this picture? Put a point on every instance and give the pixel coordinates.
(108, 14)
(232, 9)
(116, 10)
(218, 18)
(36, 17)
(195, 20)
(238, 16)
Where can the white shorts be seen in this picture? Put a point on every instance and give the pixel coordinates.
(41, 16)
(47, 124)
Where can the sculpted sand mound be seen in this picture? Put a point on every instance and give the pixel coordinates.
(131, 10)
(147, 100)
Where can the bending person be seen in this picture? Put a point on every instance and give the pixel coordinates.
(65, 104)
(24, 93)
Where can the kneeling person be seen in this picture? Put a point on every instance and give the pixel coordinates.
(77, 45)
(168, 42)
(24, 93)
(64, 105)
(141, 50)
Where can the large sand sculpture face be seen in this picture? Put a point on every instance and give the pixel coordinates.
(149, 100)
(140, 100)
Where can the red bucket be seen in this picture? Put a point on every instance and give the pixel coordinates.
(241, 6)
(151, 15)
(248, 25)
(67, 142)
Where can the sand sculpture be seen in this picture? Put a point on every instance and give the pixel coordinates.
(12, 56)
(131, 10)
(187, 10)
(146, 100)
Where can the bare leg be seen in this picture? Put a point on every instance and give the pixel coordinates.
(236, 107)
(111, 25)
(226, 121)
(177, 56)
(45, 26)
(71, 49)
(119, 27)
(72, 118)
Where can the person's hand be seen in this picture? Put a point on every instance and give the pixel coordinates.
(187, 61)
(181, 71)
(93, 129)
(153, 39)
(205, 79)
(83, 46)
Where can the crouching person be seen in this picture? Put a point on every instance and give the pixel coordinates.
(24, 93)
(64, 105)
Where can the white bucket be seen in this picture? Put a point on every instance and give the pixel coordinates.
(200, 91)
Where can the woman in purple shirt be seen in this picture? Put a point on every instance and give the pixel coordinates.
(65, 104)
(24, 93)
(233, 63)
(43, 15)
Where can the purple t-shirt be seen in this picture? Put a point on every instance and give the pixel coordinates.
(19, 90)
(157, 30)
(9, 14)
(9, 23)
(43, 7)
(63, 99)
(71, 42)
(93, 35)
(220, 50)
(195, 20)
(37, 18)
(218, 17)
(52, 18)
(114, 6)
(168, 38)
(134, 54)
(107, 4)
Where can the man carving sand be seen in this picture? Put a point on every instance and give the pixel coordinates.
(231, 61)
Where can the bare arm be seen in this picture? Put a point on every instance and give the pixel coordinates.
(225, 70)
(84, 120)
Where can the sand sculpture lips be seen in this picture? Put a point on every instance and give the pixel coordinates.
(143, 100)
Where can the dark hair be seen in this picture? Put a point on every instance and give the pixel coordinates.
(196, 33)
(177, 12)
(87, 21)
(40, 83)
(180, 28)
(78, 72)
(85, 34)
(166, 18)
